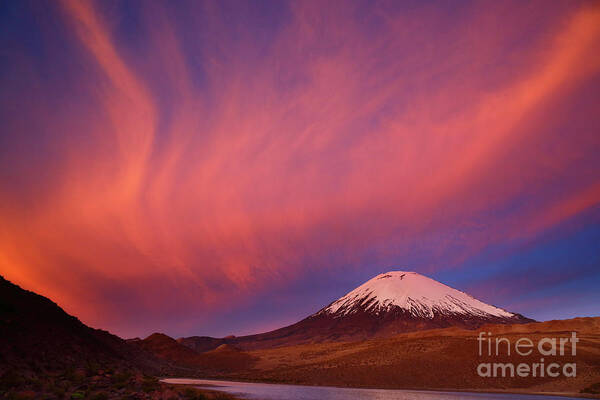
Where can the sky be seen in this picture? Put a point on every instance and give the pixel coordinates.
(230, 167)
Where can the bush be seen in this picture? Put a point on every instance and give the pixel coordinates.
(36, 384)
(192, 394)
(99, 396)
(58, 391)
(121, 377)
(92, 368)
(150, 384)
(592, 389)
(222, 396)
(11, 379)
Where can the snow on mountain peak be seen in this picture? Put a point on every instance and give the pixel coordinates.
(417, 294)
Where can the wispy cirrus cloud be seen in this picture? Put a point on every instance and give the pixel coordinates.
(216, 152)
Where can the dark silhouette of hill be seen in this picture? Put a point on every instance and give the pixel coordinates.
(47, 353)
(37, 334)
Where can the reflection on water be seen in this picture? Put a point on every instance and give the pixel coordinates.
(265, 391)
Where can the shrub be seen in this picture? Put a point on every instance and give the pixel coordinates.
(192, 394)
(121, 377)
(222, 396)
(99, 396)
(150, 384)
(11, 379)
(592, 389)
(58, 391)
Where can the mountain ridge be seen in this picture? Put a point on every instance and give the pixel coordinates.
(46, 353)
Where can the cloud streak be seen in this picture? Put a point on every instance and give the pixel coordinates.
(214, 156)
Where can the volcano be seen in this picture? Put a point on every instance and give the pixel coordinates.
(388, 304)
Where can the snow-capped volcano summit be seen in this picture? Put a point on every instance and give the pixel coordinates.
(401, 301)
(417, 295)
(388, 304)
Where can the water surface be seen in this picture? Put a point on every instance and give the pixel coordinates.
(268, 391)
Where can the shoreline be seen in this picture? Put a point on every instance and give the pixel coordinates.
(573, 395)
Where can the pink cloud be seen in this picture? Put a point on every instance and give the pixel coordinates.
(335, 139)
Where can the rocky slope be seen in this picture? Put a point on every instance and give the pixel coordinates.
(46, 353)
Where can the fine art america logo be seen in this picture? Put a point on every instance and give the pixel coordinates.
(525, 347)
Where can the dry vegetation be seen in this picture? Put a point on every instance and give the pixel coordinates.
(435, 359)
(99, 384)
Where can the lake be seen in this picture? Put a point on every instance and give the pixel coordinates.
(268, 391)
